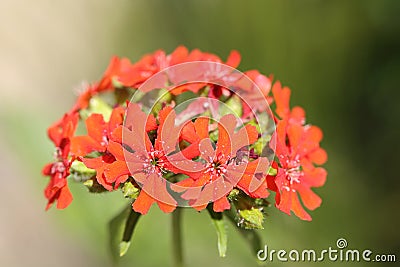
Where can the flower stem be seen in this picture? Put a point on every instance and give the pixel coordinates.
(177, 237)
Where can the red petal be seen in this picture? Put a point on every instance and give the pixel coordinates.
(151, 123)
(226, 127)
(115, 170)
(136, 121)
(315, 177)
(117, 150)
(309, 198)
(297, 116)
(188, 133)
(143, 203)
(47, 169)
(65, 198)
(93, 163)
(298, 209)
(295, 135)
(96, 127)
(245, 136)
(278, 140)
(179, 55)
(116, 119)
(314, 133)
(201, 126)
(233, 59)
(167, 133)
(318, 156)
(206, 149)
(285, 201)
(83, 145)
(221, 204)
(281, 97)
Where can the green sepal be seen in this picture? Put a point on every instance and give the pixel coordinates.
(116, 83)
(79, 167)
(88, 183)
(80, 173)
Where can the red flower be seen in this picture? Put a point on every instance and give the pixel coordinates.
(147, 162)
(222, 169)
(254, 97)
(57, 189)
(150, 64)
(181, 55)
(296, 115)
(99, 135)
(297, 149)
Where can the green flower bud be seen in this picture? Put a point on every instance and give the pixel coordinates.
(130, 191)
(251, 219)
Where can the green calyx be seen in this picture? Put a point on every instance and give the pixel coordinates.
(251, 219)
(80, 172)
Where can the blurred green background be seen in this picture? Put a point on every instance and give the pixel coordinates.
(340, 58)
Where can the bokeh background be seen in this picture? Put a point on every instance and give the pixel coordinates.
(340, 58)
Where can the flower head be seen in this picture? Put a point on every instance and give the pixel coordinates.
(57, 189)
(220, 170)
(147, 162)
(297, 149)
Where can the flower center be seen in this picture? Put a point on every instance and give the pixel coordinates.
(216, 166)
(154, 162)
(57, 167)
(57, 154)
(293, 174)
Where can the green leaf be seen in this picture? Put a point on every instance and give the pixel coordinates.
(219, 225)
(121, 229)
(250, 235)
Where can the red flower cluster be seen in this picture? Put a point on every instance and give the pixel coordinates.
(297, 150)
(197, 162)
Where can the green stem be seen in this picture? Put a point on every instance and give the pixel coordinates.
(177, 237)
(130, 225)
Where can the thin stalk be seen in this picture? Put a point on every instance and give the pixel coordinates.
(177, 237)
